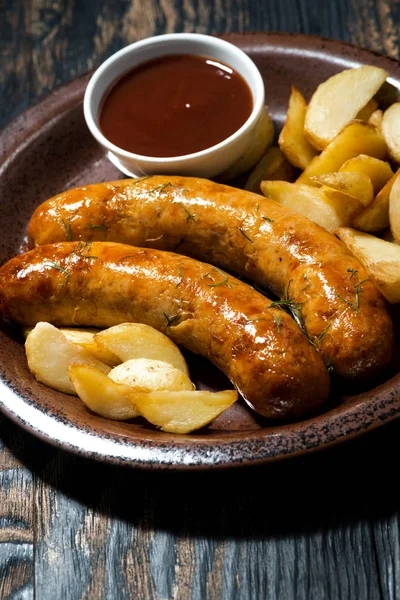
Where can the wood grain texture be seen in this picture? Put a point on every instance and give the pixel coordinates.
(325, 527)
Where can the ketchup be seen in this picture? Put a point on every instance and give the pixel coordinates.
(175, 105)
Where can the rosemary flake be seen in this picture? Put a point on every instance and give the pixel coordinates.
(171, 320)
(68, 230)
(245, 235)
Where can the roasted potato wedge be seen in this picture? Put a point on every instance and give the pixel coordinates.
(379, 171)
(394, 207)
(367, 111)
(391, 130)
(328, 208)
(136, 340)
(49, 354)
(356, 185)
(338, 101)
(376, 118)
(376, 216)
(183, 412)
(272, 166)
(84, 336)
(356, 138)
(262, 139)
(380, 259)
(101, 394)
(147, 375)
(292, 140)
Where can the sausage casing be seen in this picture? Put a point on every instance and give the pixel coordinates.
(260, 348)
(326, 287)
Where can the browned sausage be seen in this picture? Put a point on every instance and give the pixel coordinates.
(260, 349)
(326, 287)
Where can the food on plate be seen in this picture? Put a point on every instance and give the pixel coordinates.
(379, 171)
(174, 412)
(327, 207)
(84, 336)
(355, 138)
(101, 394)
(255, 343)
(380, 258)
(292, 140)
(244, 233)
(273, 165)
(376, 118)
(183, 412)
(376, 216)
(391, 130)
(338, 100)
(49, 354)
(394, 207)
(148, 375)
(368, 110)
(137, 340)
(262, 139)
(355, 185)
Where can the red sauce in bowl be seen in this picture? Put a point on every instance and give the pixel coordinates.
(175, 105)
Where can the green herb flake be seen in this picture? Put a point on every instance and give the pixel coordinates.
(53, 265)
(268, 219)
(136, 181)
(181, 277)
(225, 280)
(288, 304)
(245, 235)
(329, 365)
(357, 290)
(278, 321)
(190, 216)
(323, 333)
(68, 230)
(171, 320)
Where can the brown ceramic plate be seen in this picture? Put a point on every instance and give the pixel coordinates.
(48, 149)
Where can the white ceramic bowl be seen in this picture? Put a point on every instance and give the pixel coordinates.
(206, 163)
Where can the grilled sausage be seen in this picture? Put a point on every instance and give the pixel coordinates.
(261, 349)
(325, 287)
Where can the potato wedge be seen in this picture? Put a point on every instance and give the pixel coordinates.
(380, 259)
(376, 118)
(101, 394)
(49, 354)
(356, 138)
(136, 340)
(262, 139)
(292, 140)
(84, 336)
(183, 412)
(328, 208)
(147, 375)
(338, 100)
(365, 113)
(394, 207)
(376, 216)
(379, 171)
(272, 166)
(391, 130)
(356, 185)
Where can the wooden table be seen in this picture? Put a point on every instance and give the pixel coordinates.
(326, 526)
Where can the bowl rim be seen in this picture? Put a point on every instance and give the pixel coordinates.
(214, 42)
